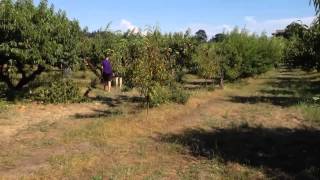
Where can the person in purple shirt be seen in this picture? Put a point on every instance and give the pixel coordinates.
(107, 73)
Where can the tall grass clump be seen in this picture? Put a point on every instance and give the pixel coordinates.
(311, 110)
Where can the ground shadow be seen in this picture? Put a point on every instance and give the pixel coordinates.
(196, 84)
(116, 104)
(98, 114)
(283, 101)
(286, 89)
(291, 153)
(300, 83)
(278, 92)
(118, 100)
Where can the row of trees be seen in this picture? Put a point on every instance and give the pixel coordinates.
(240, 54)
(35, 39)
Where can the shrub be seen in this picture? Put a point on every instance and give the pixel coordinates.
(3, 106)
(65, 91)
(211, 88)
(126, 88)
(158, 95)
(164, 94)
(179, 95)
(3, 90)
(311, 112)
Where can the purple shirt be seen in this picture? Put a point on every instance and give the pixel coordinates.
(107, 68)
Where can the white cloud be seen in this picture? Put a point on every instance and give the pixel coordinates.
(270, 26)
(127, 25)
(251, 24)
(250, 19)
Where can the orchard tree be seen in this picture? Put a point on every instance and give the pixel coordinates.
(178, 48)
(295, 29)
(303, 46)
(201, 36)
(246, 54)
(150, 66)
(218, 37)
(34, 39)
(207, 61)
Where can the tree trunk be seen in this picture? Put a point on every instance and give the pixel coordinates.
(148, 107)
(93, 68)
(222, 82)
(6, 79)
(3, 77)
(25, 80)
(86, 94)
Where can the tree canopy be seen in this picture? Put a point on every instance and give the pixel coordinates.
(201, 35)
(33, 39)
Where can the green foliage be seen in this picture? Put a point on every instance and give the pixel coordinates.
(303, 48)
(218, 37)
(179, 95)
(201, 35)
(211, 88)
(36, 39)
(159, 95)
(150, 68)
(247, 55)
(3, 90)
(63, 91)
(238, 55)
(98, 177)
(178, 49)
(311, 112)
(208, 61)
(3, 105)
(33, 39)
(165, 94)
(295, 29)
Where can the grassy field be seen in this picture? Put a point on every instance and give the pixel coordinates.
(259, 128)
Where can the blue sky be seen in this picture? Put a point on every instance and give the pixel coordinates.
(214, 16)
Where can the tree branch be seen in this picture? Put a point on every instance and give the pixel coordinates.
(26, 80)
(93, 68)
(20, 67)
(5, 78)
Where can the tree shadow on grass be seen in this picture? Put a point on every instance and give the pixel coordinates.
(115, 105)
(285, 91)
(278, 92)
(98, 114)
(281, 153)
(283, 101)
(301, 83)
(118, 100)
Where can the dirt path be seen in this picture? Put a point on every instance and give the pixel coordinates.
(34, 146)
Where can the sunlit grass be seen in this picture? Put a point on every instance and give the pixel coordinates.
(310, 112)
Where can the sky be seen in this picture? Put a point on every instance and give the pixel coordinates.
(214, 16)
